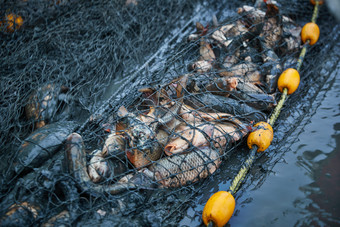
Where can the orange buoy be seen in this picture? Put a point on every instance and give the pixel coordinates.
(13, 22)
(289, 79)
(219, 208)
(314, 2)
(261, 137)
(310, 32)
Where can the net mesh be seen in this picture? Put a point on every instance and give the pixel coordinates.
(122, 112)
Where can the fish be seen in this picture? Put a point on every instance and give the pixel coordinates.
(20, 214)
(250, 94)
(263, 102)
(271, 67)
(206, 51)
(37, 148)
(200, 66)
(75, 165)
(291, 39)
(105, 167)
(44, 103)
(234, 87)
(141, 158)
(226, 34)
(189, 114)
(206, 59)
(272, 29)
(180, 170)
(144, 146)
(114, 146)
(98, 168)
(208, 102)
(220, 134)
(141, 138)
(222, 85)
(59, 219)
(245, 86)
(247, 70)
(251, 15)
(229, 61)
(200, 31)
(165, 101)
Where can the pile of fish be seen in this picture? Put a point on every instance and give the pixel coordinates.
(177, 133)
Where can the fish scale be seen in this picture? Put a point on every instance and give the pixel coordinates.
(179, 170)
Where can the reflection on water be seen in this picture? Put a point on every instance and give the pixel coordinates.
(324, 191)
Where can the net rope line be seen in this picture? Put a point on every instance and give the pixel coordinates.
(237, 181)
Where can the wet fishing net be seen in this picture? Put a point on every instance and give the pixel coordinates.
(123, 112)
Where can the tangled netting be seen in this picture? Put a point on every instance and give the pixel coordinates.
(117, 112)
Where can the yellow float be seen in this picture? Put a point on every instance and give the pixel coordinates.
(219, 208)
(261, 137)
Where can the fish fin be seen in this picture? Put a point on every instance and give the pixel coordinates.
(120, 127)
(272, 10)
(181, 85)
(147, 90)
(168, 149)
(199, 27)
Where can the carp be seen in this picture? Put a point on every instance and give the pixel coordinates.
(98, 168)
(179, 170)
(38, 147)
(209, 102)
(20, 214)
(189, 114)
(75, 162)
(44, 103)
(218, 134)
(143, 131)
(59, 219)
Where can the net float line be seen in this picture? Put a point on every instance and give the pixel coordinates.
(221, 205)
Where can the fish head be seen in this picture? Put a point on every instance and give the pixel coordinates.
(141, 135)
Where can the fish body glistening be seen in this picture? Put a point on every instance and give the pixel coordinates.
(141, 139)
(202, 134)
(39, 146)
(208, 102)
(179, 170)
(20, 214)
(141, 158)
(114, 146)
(43, 104)
(75, 160)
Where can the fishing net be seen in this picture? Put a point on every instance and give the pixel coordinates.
(121, 113)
